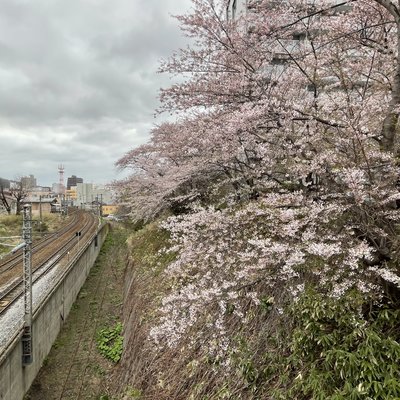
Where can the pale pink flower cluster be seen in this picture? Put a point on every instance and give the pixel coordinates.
(224, 255)
(285, 138)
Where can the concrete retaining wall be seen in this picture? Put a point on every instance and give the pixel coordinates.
(48, 318)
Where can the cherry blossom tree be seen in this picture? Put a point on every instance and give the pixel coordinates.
(294, 107)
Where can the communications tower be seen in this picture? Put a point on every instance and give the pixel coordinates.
(61, 181)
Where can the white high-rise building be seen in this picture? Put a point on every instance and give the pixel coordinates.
(28, 182)
(87, 193)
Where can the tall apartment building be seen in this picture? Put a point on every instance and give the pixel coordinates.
(73, 181)
(28, 182)
(286, 46)
(87, 193)
(236, 7)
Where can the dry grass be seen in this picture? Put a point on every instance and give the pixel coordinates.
(74, 365)
(11, 225)
(187, 372)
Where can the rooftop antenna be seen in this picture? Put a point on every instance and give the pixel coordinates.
(61, 181)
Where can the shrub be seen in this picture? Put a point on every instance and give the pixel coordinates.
(110, 342)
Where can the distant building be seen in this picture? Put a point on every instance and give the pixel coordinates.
(102, 194)
(28, 182)
(234, 8)
(4, 183)
(58, 188)
(41, 206)
(73, 181)
(41, 191)
(84, 193)
(71, 194)
(109, 209)
(87, 193)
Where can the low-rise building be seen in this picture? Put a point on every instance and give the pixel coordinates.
(41, 191)
(71, 194)
(4, 183)
(41, 205)
(109, 209)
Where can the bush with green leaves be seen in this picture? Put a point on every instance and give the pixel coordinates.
(110, 342)
(327, 349)
(340, 352)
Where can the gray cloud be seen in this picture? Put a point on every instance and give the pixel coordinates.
(78, 82)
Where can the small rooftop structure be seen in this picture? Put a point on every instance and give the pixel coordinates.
(45, 205)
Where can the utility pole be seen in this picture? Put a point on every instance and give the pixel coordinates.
(65, 205)
(98, 205)
(27, 355)
(40, 213)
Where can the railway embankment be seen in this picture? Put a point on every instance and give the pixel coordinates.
(50, 312)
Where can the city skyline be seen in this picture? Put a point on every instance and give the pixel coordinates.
(55, 180)
(79, 83)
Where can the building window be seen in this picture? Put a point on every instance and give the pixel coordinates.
(231, 9)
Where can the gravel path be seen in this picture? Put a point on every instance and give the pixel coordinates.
(12, 320)
(74, 369)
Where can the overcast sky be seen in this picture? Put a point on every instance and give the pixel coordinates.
(78, 82)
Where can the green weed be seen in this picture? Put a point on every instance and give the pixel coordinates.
(110, 342)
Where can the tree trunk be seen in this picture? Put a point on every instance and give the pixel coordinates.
(4, 201)
(18, 208)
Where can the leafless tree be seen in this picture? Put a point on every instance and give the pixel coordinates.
(4, 200)
(19, 193)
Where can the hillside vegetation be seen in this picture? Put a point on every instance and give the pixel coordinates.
(314, 348)
(11, 225)
(265, 244)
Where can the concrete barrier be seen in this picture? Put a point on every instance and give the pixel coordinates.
(48, 318)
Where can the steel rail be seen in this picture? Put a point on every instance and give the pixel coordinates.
(65, 243)
(11, 260)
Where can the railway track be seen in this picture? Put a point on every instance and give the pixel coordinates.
(13, 260)
(47, 253)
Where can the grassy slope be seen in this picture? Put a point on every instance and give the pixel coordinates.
(11, 225)
(318, 349)
(74, 363)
